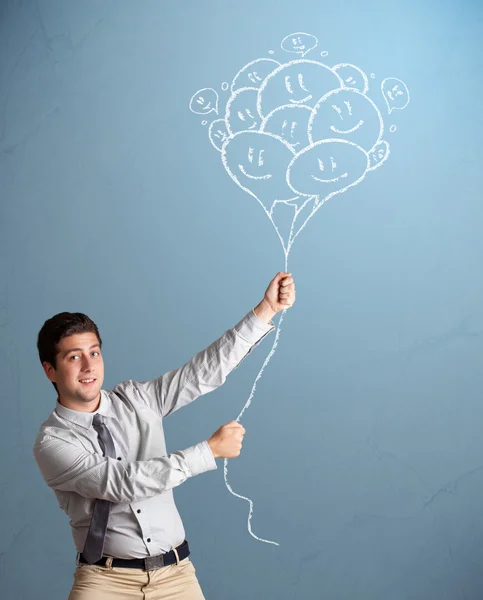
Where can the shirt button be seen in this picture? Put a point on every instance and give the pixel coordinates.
(138, 510)
(119, 458)
(148, 540)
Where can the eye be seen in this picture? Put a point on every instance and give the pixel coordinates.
(250, 154)
(241, 116)
(260, 158)
(287, 84)
(95, 354)
(321, 165)
(337, 110)
(349, 107)
(74, 357)
(333, 163)
(301, 82)
(249, 113)
(201, 100)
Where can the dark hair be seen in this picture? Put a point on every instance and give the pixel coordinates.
(58, 327)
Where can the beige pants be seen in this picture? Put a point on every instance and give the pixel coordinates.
(175, 582)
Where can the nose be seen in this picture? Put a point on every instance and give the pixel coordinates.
(87, 364)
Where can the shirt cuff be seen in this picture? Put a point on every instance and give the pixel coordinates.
(200, 458)
(252, 329)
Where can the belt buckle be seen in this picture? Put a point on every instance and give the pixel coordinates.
(153, 562)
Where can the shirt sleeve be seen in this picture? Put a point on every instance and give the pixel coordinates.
(206, 371)
(70, 468)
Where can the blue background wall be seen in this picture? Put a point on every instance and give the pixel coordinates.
(364, 452)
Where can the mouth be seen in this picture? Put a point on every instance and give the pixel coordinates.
(361, 122)
(253, 126)
(306, 99)
(87, 382)
(329, 180)
(242, 169)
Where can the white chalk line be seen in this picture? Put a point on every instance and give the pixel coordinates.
(247, 404)
(257, 74)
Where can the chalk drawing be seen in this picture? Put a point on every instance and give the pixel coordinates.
(204, 101)
(253, 74)
(292, 136)
(378, 155)
(352, 77)
(299, 43)
(349, 115)
(396, 93)
(218, 133)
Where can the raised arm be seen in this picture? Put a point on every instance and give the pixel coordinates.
(208, 369)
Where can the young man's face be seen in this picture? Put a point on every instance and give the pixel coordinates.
(78, 372)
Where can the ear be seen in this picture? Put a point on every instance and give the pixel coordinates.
(49, 371)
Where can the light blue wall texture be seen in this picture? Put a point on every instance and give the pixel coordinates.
(364, 452)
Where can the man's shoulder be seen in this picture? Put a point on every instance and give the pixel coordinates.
(53, 427)
(129, 396)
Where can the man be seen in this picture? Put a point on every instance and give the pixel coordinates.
(104, 455)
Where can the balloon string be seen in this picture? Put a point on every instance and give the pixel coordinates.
(247, 404)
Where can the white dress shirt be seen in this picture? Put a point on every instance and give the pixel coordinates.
(144, 520)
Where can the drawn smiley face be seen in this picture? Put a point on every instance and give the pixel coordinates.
(253, 73)
(348, 115)
(327, 167)
(289, 122)
(257, 162)
(241, 111)
(298, 82)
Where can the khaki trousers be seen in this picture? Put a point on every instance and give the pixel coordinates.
(174, 582)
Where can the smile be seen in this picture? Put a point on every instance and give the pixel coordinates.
(306, 99)
(329, 180)
(268, 176)
(87, 381)
(361, 122)
(253, 126)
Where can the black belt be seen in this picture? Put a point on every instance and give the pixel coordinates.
(149, 563)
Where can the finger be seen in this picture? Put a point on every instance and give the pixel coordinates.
(281, 275)
(286, 281)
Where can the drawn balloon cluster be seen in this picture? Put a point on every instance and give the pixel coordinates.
(295, 133)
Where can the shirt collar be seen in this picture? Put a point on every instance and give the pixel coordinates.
(84, 419)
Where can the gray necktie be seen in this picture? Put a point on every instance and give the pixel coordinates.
(94, 544)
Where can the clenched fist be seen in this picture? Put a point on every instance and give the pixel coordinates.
(280, 295)
(227, 441)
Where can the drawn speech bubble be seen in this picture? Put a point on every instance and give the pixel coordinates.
(395, 92)
(299, 43)
(204, 101)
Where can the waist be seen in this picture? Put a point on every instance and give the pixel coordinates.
(150, 563)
